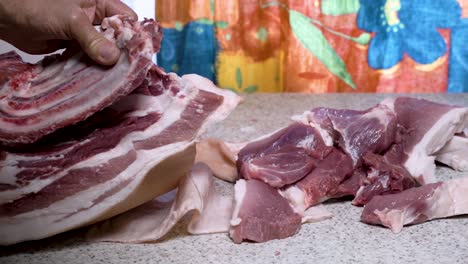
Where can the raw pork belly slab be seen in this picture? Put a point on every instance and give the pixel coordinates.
(284, 157)
(417, 205)
(427, 127)
(36, 100)
(261, 213)
(119, 158)
(152, 220)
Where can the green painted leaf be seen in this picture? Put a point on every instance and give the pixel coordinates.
(212, 8)
(314, 40)
(262, 34)
(239, 78)
(363, 39)
(178, 26)
(221, 24)
(231, 89)
(340, 7)
(204, 21)
(251, 89)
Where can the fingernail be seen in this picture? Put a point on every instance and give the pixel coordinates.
(109, 54)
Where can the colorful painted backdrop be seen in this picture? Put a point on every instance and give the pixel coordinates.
(319, 46)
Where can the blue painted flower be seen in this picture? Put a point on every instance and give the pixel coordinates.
(406, 26)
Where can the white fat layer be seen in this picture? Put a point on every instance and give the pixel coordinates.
(39, 223)
(231, 100)
(381, 113)
(393, 219)
(240, 190)
(457, 189)
(390, 103)
(296, 198)
(316, 214)
(420, 163)
(307, 142)
(359, 193)
(455, 153)
(307, 118)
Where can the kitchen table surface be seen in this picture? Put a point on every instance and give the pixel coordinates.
(342, 239)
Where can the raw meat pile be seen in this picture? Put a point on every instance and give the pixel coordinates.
(80, 143)
(383, 157)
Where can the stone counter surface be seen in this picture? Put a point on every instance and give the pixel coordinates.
(343, 239)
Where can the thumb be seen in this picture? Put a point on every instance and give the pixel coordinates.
(92, 42)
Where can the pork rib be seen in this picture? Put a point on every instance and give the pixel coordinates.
(36, 100)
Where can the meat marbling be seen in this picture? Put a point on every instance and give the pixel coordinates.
(284, 157)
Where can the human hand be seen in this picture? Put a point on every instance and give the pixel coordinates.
(44, 26)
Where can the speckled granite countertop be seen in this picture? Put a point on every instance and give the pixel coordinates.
(342, 239)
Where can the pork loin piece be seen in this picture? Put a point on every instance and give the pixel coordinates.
(455, 153)
(322, 183)
(152, 220)
(261, 213)
(383, 177)
(357, 132)
(425, 133)
(117, 159)
(36, 100)
(417, 205)
(284, 157)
